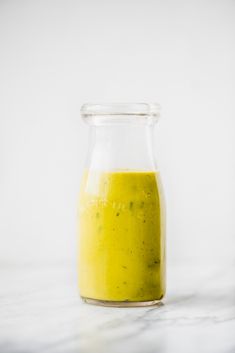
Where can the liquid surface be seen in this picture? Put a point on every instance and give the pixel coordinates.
(121, 238)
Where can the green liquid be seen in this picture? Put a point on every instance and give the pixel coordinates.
(122, 240)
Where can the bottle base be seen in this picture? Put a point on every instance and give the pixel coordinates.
(122, 304)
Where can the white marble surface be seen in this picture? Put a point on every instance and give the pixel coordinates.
(40, 311)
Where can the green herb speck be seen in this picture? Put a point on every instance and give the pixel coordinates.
(117, 214)
(131, 205)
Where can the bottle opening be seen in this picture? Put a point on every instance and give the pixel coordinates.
(120, 112)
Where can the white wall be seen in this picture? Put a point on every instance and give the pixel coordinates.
(56, 55)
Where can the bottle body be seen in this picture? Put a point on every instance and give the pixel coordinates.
(121, 225)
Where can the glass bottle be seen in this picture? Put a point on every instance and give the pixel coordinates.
(121, 209)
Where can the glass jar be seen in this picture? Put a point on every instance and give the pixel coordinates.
(121, 211)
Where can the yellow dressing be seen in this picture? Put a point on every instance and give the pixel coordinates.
(121, 237)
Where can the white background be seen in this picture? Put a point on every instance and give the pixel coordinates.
(56, 55)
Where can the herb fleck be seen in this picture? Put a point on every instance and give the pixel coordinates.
(131, 205)
(154, 263)
(117, 214)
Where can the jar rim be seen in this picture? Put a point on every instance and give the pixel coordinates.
(144, 110)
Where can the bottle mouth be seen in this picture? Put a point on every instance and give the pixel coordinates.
(120, 112)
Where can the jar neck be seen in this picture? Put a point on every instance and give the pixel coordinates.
(115, 147)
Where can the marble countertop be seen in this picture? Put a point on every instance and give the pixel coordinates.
(40, 311)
